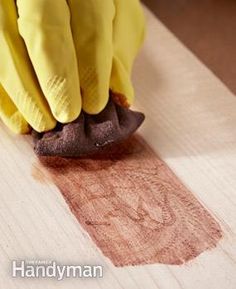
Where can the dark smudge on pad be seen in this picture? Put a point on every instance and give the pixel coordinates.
(89, 134)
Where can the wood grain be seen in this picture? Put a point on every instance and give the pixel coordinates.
(133, 206)
(191, 125)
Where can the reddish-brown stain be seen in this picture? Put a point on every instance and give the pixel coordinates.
(134, 207)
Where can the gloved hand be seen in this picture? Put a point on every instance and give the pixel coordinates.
(52, 50)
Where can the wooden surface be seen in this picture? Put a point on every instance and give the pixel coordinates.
(207, 28)
(191, 124)
(133, 206)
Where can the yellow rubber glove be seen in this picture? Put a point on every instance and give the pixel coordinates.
(107, 36)
(40, 74)
(38, 71)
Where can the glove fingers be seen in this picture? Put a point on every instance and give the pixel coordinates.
(128, 34)
(16, 73)
(128, 31)
(92, 33)
(45, 28)
(120, 84)
(10, 114)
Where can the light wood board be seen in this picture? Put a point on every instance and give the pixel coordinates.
(191, 124)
